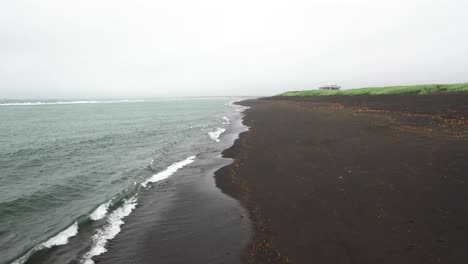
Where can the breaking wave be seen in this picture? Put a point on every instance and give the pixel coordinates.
(114, 219)
(62, 237)
(214, 135)
(68, 102)
(169, 171)
(100, 212)
(57, 240)
(110, 230)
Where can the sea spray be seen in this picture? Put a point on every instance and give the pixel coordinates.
(214, 135)
(62, 237)
(115, 219)
(169, 171)
(100, 212)
(110, 230)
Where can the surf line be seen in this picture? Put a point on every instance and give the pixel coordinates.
(114, 220)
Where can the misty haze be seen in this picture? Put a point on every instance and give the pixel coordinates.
(258, 132)
(129, 49)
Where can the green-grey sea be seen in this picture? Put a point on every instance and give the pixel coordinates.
(64, 164)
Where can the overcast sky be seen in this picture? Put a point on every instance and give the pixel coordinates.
(149, 48)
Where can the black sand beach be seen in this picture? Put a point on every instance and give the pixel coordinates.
(354, 179)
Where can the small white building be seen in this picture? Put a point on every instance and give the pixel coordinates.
(330, 87)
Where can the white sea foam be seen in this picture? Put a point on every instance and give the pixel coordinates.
(169, 171)
(58, 240)
(226, 121)
(62, 237)
(100, 212)
(109, 231)
(69, 102)
(232, 103)
(25, 257)
(215, 134)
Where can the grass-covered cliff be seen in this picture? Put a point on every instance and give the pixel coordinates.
(417, 89)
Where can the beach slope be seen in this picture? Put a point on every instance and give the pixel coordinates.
(354, 179)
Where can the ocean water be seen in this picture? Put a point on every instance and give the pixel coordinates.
(73, 172)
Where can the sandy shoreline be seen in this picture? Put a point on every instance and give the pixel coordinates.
(182, 218)
(353, 179)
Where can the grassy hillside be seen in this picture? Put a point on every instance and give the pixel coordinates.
(419, 89)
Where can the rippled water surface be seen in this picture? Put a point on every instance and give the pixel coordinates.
(64, 165)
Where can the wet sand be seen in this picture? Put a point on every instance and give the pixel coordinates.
(354, 179)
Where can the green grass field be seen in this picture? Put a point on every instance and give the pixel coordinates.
(418, 89)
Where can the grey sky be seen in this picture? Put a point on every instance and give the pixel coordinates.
(145, 48)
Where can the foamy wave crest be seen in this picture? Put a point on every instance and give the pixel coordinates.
(226, 121)
(169, 171)
(69, 102)
(62, 237)
(110, 230)
(232, 103)
(100, 212)
(215, 134)
(58, 240)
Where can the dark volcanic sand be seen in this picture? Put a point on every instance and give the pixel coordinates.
(326, 182)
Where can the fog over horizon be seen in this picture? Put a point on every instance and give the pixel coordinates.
(143, 48)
